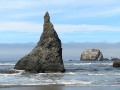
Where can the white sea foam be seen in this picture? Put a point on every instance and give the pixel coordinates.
(78, 64)
(70, 73)
(19, 72)
(60, 82)
(105, 74)
(7, 64)
(50, 74)
(107, 63)
(74, 82)
(97, 74)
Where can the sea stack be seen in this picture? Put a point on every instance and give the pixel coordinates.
(47, 55)
(116, 63)
(91, 55)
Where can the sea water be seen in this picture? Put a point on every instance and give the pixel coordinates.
(78, 73)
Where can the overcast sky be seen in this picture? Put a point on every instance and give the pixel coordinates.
(21, 21)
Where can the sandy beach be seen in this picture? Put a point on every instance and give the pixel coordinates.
(63, 88)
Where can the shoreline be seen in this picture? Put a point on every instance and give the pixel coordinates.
(60, 88)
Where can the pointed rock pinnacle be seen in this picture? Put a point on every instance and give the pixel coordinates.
(47, 55)
(46, 18)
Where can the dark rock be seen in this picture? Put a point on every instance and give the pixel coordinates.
(70, 60)
(116, 63)
(91, 55)
(47, 55)
(114, 59)
(106, 59)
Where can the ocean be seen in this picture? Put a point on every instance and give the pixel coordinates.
(78, 73)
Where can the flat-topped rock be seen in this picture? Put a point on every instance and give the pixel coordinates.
(47, 55)
(91, 55)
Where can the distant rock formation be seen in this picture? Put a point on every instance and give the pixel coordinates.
(91, 55)
(106, 59)
(47, 55)
(116, 62)
(114, 59)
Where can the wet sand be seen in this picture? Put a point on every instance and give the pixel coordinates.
(63, 88)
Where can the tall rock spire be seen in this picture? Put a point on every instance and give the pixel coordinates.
(46, 17)
(47, 55)
(47, 24)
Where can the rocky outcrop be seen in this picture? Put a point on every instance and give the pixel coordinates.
(47, 55)
(91, 55)
(114, 59)
(106, 59)
(116, 63)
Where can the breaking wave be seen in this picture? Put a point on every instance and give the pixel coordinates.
(7, 64)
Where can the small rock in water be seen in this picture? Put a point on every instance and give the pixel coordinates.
(8, 71)
(47, 55)
(91, 55)
(116, 63)
(114, 59)
(106, 59)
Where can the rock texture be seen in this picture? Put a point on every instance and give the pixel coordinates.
(47, 55)
(114, 59)
(116, 63)
(91, 55)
